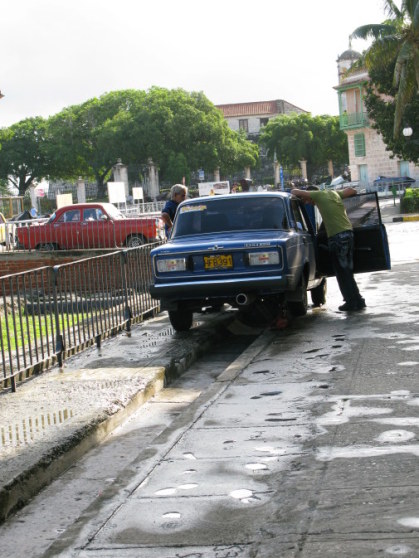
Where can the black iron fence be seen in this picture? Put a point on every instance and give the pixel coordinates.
(52, 312)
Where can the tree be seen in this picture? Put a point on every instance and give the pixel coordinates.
(176, 126)
(380, 103)
(300, 136)
(84, 139)
(396, 45)
(179, 131)
(23, 156)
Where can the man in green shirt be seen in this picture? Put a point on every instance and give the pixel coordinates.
(340, 239)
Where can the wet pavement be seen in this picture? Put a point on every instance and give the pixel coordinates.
(306, 445)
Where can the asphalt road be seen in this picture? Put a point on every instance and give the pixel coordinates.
(305, 445)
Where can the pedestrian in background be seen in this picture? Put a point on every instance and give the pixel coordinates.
(178, 193)
(340, 240)
(394, 192)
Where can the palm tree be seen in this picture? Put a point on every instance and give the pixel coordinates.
(396, 40)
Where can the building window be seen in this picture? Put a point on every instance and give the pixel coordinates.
(244, 125)
(263, 121)
(359, 144)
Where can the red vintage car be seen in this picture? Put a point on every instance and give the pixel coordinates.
(90, 225)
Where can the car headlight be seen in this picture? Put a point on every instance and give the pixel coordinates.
(264, 258)
(171, 264)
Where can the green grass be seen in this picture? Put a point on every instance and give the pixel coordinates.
(34, 327)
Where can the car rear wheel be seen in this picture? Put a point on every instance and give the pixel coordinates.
(181, 320)
(47, 247)
(135, 240)
(299, 307)
(318, 295)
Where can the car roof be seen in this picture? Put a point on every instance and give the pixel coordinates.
(238, 196)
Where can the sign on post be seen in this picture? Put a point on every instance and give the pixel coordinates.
(214, 188)
(116, 192)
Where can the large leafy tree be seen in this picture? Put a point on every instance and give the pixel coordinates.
(294, 137)
(83, 138)
(23, 156)
(177, 130)
(182, 132)
(395, 45)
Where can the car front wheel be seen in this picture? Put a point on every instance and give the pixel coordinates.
(181, 320)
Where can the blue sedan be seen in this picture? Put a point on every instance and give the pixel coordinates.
(244, 250)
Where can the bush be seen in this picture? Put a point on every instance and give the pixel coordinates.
(410, 201)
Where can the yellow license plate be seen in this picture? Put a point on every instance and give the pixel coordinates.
(221, 261)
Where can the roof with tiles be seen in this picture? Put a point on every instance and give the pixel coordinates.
(258, 108)
(250, 109)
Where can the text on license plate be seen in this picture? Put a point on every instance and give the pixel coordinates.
(220, 261)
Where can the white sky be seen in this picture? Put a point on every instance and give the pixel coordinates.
(56, 53)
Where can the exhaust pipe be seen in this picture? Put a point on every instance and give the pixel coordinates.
(243, 299)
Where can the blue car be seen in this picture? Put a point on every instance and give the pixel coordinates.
(254, 249)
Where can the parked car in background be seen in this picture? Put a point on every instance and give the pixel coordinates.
(90, 225)
(251, 250)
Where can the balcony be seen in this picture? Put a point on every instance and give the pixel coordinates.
(354, 120)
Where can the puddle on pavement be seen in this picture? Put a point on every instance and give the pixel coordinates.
(391, 436)
(256, 466)
(24, 432)
(189, 456)
(411, 522)
(165, 492)
(399, 549)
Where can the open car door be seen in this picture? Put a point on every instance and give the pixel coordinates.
(371, 250)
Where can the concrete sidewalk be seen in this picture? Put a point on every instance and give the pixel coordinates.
(390, 212)
(305, 446)
(56, 417)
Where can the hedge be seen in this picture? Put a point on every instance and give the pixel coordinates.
(409, 203)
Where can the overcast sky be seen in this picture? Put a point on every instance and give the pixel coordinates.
(56, 53)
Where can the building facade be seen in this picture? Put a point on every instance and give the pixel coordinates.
(368, 158)
(251, 118)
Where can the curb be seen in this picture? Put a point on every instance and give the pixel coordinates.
(406, 218)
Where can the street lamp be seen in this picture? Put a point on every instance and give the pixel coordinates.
(407, 132)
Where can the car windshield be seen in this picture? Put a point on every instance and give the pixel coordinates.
(112, 211)
(235, 214)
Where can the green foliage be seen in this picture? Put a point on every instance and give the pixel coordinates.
(409, 203)
(392, 60)
(179, 131)
(300, 136)
(24, 158)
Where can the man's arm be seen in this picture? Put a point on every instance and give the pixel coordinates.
(302, 194)
(348, 192)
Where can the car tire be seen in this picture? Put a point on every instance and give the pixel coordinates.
(299, 307)
(318, 294)
(181, 320)
(135, 240)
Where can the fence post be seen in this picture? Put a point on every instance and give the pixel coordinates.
(59, 340)
(127, 309)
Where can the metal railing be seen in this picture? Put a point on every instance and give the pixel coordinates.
(52, 312)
